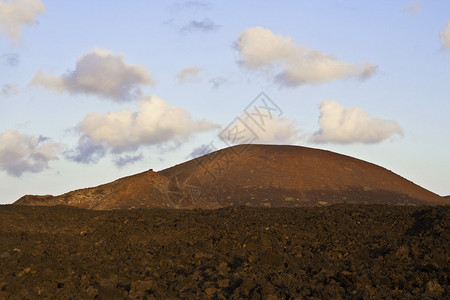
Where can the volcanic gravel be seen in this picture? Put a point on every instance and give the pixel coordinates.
(336, 252)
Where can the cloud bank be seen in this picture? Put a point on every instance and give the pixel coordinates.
(154, 123)
(351, 125)
(16, 14)
(99, 73)
(445, 36)
(20, 153)
(293, 64)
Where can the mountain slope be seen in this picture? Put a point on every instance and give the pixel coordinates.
(138, 191)
(272, 175)
(255, 175)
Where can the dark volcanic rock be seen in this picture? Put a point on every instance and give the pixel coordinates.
(334, 252)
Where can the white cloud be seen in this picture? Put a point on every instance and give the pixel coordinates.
(15, 14)
(351, 125)
(275, 130)
(413, 8)
(445, 36)
(20, 153)
(100, 73)
(293, 64)
(154, 123)
(189, 75)
(261, 126)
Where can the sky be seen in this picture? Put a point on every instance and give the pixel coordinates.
(91, 91)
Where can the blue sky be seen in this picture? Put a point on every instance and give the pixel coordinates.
(91, 91)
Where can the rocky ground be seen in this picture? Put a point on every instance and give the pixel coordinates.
(342, 251)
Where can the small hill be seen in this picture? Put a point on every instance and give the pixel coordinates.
(252, 175)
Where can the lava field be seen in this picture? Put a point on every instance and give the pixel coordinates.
(336, 252)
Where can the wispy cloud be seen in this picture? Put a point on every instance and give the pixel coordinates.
(292, 64)
(216, 82)
(198, 5)
(342, 125)
(201, 150)
(21, 153)
(100, 73)
(16, 14)
(122, 161)
(204, 25)
(189, 75)
(197, 75)
(413, 8)
(9, 90)
(445, 36)
(10, 59)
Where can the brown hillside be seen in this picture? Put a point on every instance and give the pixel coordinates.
(255, 175)
(143, 190)
(272, 175)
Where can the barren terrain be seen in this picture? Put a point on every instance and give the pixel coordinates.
(340, 251)
(251, 221)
